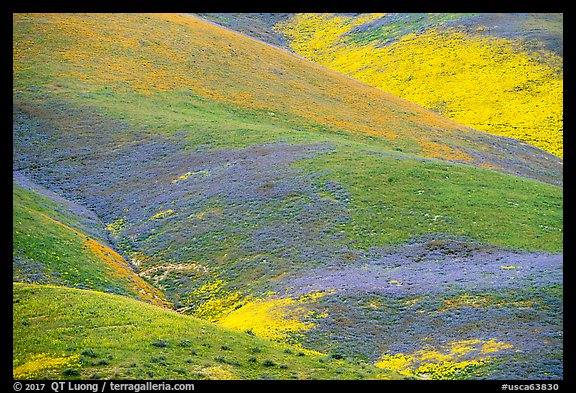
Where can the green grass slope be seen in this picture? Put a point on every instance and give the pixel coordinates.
(178, 62)
(51, 245)
(412, 199)
(499, 73)
(272, 195)
(63, 333)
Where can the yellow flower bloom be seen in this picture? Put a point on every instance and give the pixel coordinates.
(39, 362)
(489, 83)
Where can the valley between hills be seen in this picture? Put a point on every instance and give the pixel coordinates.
(270, 196)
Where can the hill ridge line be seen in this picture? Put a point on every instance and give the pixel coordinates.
(329, 70)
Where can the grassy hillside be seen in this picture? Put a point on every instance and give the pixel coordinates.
(50, 245)
(63, 333)
(178, 62)
(256, 25)
(412, 199)
(271, 195)
(499, 73)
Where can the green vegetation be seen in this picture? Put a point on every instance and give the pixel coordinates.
(386, 33)
(378, 180)
(492, 73)
(253, 190)
(118, 71)
(393, 199)
(49, 250)
(62, 333)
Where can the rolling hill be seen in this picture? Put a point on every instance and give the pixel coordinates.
(65, 333)
(437, 60)
(55, 241)
(511, 62)
(271, 195)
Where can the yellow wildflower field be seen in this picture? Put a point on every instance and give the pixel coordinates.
(490, 83)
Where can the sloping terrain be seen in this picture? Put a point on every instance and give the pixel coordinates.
(443, 309)
(55, 241)
(118, 58)
(257, 25)
(230, 174)
(63, 333)
(499, 73)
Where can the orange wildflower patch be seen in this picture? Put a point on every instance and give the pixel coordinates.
(155, 53)
(437, 150)
(118, 268)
